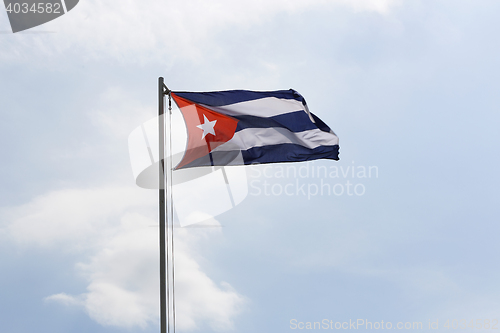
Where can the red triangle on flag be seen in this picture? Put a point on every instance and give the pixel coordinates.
(206, 129)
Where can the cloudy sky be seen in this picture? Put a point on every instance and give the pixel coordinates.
(411, 89)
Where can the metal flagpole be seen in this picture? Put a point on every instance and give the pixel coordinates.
(167, 271)
(161, 144)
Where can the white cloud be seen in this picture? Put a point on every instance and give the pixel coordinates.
(150, 30)
(378, 6)
(198, 296)
(73, 217)
(64, 299)
(115, 229)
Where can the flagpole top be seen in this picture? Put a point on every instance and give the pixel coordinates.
(161, 83)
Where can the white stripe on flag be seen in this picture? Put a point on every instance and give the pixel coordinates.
(258, 137)
(263, 107)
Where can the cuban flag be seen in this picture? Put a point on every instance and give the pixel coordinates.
(252, 127)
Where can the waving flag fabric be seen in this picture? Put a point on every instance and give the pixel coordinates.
(258, 127)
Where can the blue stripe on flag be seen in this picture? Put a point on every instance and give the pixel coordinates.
(221, 98)
(297, 121)
(288, 152)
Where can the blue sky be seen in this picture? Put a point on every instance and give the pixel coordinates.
(410, 87)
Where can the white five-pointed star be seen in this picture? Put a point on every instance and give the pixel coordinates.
(207, 127)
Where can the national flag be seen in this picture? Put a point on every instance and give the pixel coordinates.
(260, 127)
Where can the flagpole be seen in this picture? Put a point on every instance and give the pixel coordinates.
(167, 270)
(163, 276)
